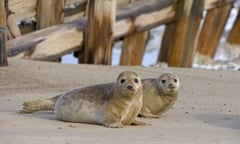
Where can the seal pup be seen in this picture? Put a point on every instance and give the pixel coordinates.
(159, 95)
(112, 105)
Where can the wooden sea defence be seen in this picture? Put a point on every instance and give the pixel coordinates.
(3, 36)
(48, 29)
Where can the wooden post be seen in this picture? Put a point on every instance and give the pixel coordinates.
(183, 34)
(3, 36)
(234, 36)
(99, 32)
(212, 29)
(49, 12)
(133, 48)
(167, 43)
(80, 54)
(12, 28)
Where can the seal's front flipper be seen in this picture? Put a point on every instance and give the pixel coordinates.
(139, 123)
(146, 113)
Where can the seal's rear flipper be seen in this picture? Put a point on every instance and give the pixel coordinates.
(39, 105)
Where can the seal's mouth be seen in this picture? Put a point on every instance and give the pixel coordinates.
(130, 90)
(171, 89)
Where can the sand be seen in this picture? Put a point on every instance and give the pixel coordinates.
(208, 109)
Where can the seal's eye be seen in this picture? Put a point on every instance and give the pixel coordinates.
(136, 80)
(163, 81)
(175, 80)
(122, 81)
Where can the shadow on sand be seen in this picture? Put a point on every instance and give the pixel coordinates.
(221, 120)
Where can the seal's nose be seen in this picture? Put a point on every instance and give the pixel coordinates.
(171, 85)
(130, 87)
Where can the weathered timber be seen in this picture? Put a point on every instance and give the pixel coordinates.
(234, 35)
(23, 9)
(99, 32)
(3, 55)
(211, 4)
(3, 15)
(68, 38)
(212, 29)
(27, 28)
(72, 11)
(28, 47)
(207, 4)
(143, 15)
(133, 48)
(70, 2)
(192, 34)
(185, 34)
(125, 2)
(26, 9)
(49, 12)
(3, 34)
(167, 42)
(80, 54)
(14, 30)
(122, 2)
(59, 40)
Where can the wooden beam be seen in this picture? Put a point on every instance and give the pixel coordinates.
(68, 36)
(143, 15)
(133, 48)
(185, 34)
(70, 2)
(99, 32)
(26, 9)
(28, 47)
(58, 40)
(234, 36)
(212, 29)
(3, 34)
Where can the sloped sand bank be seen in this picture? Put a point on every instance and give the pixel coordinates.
(208, 109)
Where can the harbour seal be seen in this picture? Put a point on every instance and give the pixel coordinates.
(112, 105)
(159, 95)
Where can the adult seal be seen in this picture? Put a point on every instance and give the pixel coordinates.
(112, 105)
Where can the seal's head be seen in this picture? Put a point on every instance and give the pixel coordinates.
(128, 83)
(168, 83)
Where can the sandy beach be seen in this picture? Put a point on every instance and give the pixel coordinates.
(207, 111)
